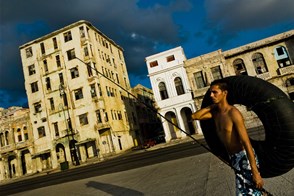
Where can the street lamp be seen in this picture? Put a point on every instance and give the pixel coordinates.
(72, 147)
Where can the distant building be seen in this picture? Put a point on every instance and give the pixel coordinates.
(172, 92)
(16, 143)
(270, 59)
(77, 113)
(148, 119)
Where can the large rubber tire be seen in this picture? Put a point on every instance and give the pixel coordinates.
(276, 112)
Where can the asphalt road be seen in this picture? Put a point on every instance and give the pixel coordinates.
(127, 161)
(183, 169)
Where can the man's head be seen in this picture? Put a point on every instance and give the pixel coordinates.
(218, 91)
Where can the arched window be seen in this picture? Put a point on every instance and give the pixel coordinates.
(179, 86)
(259, 63)
(239, 67)
(7, 137)
(282, 57)
(19, 137)
(162, 91)
(2, 143)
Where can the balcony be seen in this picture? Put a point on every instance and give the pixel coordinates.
(101, 126)
(23, 144)
(7, 148)
(264, 76)
(286, 70)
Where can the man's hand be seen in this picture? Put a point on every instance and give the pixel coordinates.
(258, 180)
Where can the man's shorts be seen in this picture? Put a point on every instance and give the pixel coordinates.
(244, 182)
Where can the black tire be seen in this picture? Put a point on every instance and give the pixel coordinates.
(276, 112)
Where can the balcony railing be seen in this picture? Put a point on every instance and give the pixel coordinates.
(264, 76)
(286, 70)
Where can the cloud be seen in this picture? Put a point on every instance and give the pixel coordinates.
(235, 15)
(131, 24)
(226, 18)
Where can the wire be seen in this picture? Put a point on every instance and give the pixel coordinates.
(188, 134)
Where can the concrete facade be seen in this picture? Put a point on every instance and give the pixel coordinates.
(77, 110)
(270, 59)
(172, 92)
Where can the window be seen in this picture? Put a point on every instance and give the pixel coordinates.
(259, 63)
(170, 58)
(98, 115)
(179, 86)
(82, 31)
(56, 129)
(239, 67)
(61, 80)
(74, 72)
(89, 69)
(100, 90)
(37, 107)
(19, 137)
(216, 73)
(117, 78)
(280, 51)
(162, 91)
(48, 83)
(52, 106)
(86, 51)
(93, 91)
(282, 57)
(41, 132)
(153, 64)
(54, 43)
(25, 133)
(83, 119)
(78, 94)
(105, 116)
(29, 52)
(290, 82)
(45, 65)
(199, 79)
(71, 54)
(67, 36)
(34, 87)
(42, 46)
(119, 115)
(31, 69)
(58, 63)
(65, 102)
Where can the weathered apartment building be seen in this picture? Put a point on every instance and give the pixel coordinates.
(148, 119)
(16, 143)
(172, 93)
(271, 59)
(76, 109)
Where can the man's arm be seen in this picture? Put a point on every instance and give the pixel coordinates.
(204, 113)
(238, 123)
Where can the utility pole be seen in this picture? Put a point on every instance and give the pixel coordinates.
(71, 143)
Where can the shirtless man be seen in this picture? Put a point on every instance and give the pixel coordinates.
(232, 133)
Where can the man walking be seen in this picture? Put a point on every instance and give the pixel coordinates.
(231, 130)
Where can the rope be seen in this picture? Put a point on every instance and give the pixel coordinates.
(188, 134)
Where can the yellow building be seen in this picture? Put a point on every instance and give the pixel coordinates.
(76, 112)
(16, 143)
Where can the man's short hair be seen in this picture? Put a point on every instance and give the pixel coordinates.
(221, 84)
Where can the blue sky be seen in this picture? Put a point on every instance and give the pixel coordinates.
(141, 27)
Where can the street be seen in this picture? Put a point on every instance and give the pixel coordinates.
(183, 169)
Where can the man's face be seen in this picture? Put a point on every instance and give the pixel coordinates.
(216, 94)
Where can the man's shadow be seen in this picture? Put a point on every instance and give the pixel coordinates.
(112, 189)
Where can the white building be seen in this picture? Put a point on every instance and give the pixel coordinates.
(172, 92)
